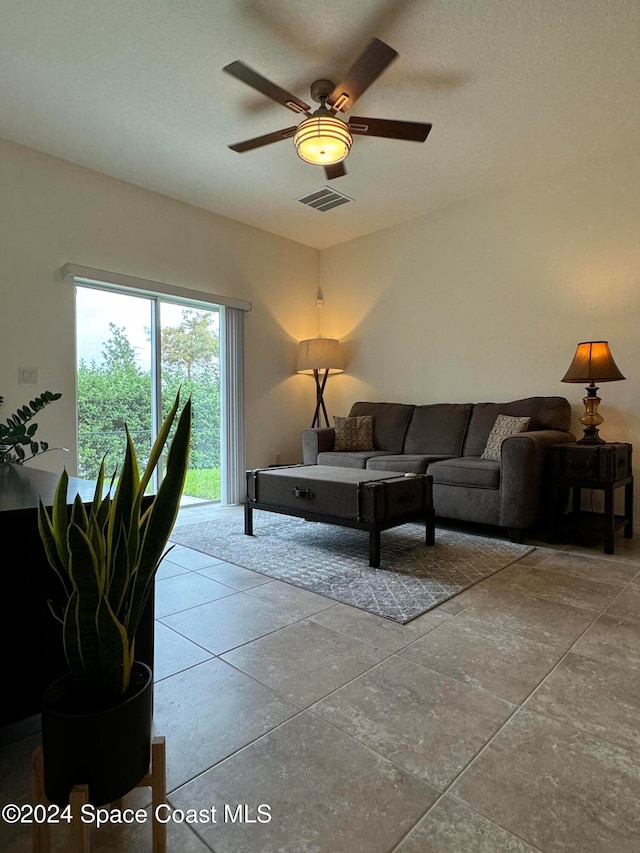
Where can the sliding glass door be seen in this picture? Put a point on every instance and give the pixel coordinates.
(133, 354)
(190, 361)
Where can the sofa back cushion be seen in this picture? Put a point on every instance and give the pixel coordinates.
(390, 421)
(438, 429)
(545, 413)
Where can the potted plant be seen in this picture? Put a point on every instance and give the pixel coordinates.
(96, 719)
(15, 435)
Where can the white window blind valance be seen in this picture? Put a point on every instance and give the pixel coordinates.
(143, 286)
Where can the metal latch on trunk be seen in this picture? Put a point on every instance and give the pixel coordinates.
(303, 493)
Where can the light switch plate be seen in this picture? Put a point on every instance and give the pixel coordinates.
(28, 375)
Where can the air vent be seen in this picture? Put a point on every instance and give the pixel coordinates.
(325, 199)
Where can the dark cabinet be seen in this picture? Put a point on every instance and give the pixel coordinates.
(31, 639)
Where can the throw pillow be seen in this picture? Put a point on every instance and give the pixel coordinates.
(354, 433)
(502, 428)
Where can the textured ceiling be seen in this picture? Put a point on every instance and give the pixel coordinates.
(514, 89)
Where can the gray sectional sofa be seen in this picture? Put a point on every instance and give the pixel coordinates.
(446, 440)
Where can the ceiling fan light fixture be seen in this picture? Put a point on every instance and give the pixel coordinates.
(322, 140)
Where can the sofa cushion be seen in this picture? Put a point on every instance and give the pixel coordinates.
(437, 429)
(347, 458)
(545, 413)
(390, 421)
(504, 426)
(353, 433)
(471, 471)
(404, 463)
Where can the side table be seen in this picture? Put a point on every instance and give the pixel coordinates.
(592, 466)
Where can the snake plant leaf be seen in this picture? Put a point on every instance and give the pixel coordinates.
(100, 506)
(159, 443)
(118, 564)
(123, 502)
(162, 515)
(79, 515)
(96, 538)
(152, 462)
(71, 640)
(59, 516)
(117, 583)
(53, 609)
(85, 576)
(114, 651)
(50, 544)
(133, 528)
(99, 487)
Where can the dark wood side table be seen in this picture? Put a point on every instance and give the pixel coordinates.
(606, 467)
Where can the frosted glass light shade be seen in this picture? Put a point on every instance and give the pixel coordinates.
(322, 140)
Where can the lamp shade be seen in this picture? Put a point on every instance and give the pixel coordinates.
(593, 362)
(319, 354)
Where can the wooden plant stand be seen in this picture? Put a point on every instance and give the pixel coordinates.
(79, 839)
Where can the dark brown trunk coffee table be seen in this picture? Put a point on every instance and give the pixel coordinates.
(349, 497)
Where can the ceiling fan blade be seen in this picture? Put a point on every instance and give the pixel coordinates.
(247, 75)
(367, 68)
(413, 131)
(267, 139)
(336, 170)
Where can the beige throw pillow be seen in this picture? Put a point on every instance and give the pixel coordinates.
(504, 426)
(355, 433)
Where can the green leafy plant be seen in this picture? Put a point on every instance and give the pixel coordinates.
(15, 436)
(106, 555)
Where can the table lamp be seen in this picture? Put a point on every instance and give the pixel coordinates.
(592, 363)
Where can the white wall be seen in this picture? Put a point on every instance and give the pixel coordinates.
(487, 300)
(52, 213)
(484, 301)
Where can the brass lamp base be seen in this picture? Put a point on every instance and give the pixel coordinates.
(591, 418)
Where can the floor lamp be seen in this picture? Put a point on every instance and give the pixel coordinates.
(320, 357)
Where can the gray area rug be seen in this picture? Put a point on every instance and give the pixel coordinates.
(333, 561)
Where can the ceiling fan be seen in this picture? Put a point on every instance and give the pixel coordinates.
(322, 138)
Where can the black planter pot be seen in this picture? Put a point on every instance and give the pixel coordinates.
(108, 749)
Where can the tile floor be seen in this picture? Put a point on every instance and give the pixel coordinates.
(507, 719)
